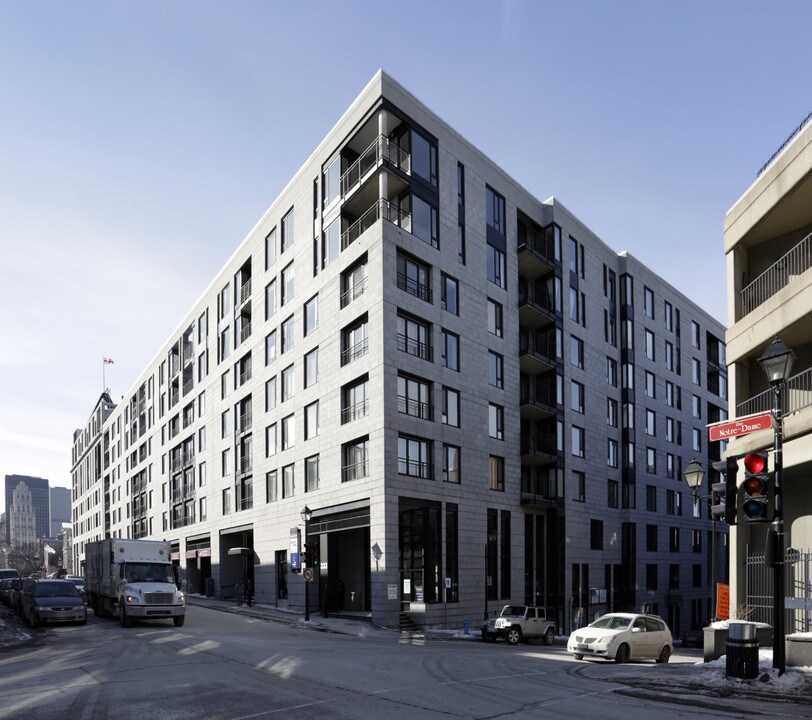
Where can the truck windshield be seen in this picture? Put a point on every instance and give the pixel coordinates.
(148, 572)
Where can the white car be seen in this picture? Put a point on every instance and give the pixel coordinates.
(621, 637)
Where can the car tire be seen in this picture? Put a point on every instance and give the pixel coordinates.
(179, 620)
(665, 654)
(578, 656)
(549, 636)
(514, 635)
(622, 654)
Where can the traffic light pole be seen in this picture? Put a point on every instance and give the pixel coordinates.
(779, 591)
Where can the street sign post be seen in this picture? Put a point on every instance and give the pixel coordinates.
(740, 426)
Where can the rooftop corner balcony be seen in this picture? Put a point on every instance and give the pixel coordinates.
(775, 278)
(536, 253)
(380, 209)
(381, 150)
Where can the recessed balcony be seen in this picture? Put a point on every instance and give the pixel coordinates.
(536, 352)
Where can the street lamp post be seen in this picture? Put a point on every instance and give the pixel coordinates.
(306, 515)
(776, 361)
(694, 476)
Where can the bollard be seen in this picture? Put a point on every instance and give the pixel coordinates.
(465, 627)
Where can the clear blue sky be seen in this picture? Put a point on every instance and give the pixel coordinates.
(141, 141)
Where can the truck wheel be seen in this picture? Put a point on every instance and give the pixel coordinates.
(514, 636)
(179, 620)
(125, 619)
(549, 636)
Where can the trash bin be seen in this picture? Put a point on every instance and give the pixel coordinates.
(209, 587)
(742, 651)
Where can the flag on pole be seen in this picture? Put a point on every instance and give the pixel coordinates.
(49, 550)
(108, 361)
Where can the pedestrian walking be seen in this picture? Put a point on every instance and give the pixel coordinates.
(239, 591)
(248, 593)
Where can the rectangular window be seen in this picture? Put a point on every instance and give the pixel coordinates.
(577, 394)
(577, 352)
(496, 421)
(311, 368)
(354, 461)
(612, 453)
(270, 299)
(414, 277)
(578, 435)
(450, 350)
(496, 369)
(287, 231)
(270, 248)
(669, 393)
(353, 282)
(651, 423)
(424, 221)
(612, 491)
(311, 420)
(354, 340)
(497, 473)
(496, 266)
(270, 347)
(648, 302)
(311, 315)
(424, 158)
(611, 371)
(696, 372)
(288, 286)
(697, 440)
(414, 337)
(495, 318)
(651, 538)
(673, 539)
(651, 385)
(451, 407)
(651, 498)
(611, 412)
(578, 486)
(288, 481)
(414, 397)
(450, 294)
(495, 211)
(669, 466)
(226, 501)
(288, 379)
(596, 534)
(451, 464)
(651, 461)
(669, 356)
(270, 440)
(414, 457)
(270, 393)
(649, 345)
(696, 407)
(271, 490)
(288, 334)
(669, 316)
(312, 473)
(354, 403)
(695, 334)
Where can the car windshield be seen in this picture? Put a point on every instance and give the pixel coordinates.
(54, 589)
(611, 622)
(512, 610)
(149, 572)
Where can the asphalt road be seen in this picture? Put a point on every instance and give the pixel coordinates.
(235, 667)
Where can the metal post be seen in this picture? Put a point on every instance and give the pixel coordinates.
(307, 584)
(486, 580)
(714, 599)
(779, 647)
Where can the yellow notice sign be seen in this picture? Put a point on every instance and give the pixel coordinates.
(722, 601)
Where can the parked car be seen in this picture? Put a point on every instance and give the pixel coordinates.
(79, 583)
(5, 590)
(622, 637)
(9, 573)
(17, 589)
(53, 601)
(694, 636)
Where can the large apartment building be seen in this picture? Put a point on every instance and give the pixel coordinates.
(476, 399)
(768, 243)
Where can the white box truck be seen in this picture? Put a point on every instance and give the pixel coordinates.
(133, 580)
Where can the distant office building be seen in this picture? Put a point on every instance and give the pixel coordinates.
(39, 508)
(768, 243)
(60, 509)
(456, 394)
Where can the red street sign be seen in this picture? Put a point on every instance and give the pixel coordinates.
(740, 426)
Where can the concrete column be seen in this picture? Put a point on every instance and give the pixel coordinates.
(383, 179)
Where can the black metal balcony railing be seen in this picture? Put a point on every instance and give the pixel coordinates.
(413, 287)
(245, 332)
(244, 465)
(245, 422)
(382, 209)
(537, 343)
(355, 471)
(353, 412)
(777, 276)
(415, 468)
(415, 408)
(538, 243)
(537, 393)
(379, 150)
(538, 443)
(414, 347)
(537, 297)
(353, 293)
(355, 351)
(797, 396)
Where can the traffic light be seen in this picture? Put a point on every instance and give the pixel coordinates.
(726, 492)
(756, 487)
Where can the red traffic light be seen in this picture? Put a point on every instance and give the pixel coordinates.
(755, 463)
